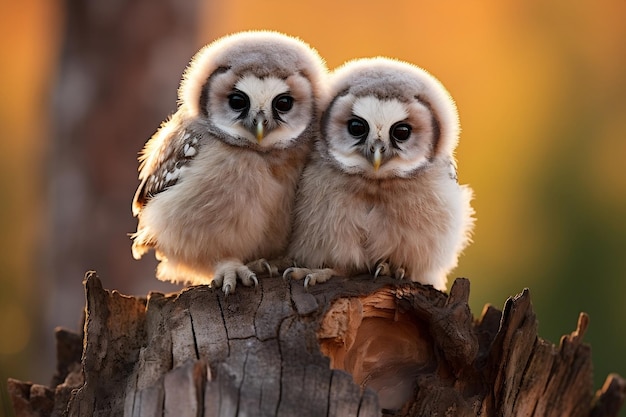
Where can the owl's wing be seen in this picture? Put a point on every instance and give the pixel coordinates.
(162, 160)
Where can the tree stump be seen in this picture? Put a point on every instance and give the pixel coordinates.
(348, 347)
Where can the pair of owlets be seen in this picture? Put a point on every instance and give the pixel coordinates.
(269, 156)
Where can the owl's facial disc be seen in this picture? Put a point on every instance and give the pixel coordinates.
(373, 124)
(259, 112)
(267, 101)
(379, 138)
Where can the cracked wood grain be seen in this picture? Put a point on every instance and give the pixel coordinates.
(349, 347)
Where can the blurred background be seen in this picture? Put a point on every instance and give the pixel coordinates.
(541, 91)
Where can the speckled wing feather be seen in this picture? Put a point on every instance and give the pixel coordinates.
(163, 160)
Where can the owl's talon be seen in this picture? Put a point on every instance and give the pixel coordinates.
(226, 289)
(378, 270)
(287, 274)
(262, 266)
(399, 274)
(216, 282)
(381, 270)
(255, 280)
(307, 279)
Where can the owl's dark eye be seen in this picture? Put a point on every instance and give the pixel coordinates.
(238, 101)
(283, 103)
(358, 128)
(400, 132)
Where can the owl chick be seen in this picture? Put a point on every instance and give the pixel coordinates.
(218, 178)
(380, 194)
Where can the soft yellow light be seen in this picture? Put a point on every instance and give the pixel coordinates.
(15, 329)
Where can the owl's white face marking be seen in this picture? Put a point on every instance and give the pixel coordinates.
(379, 138)
(267, 112)
(381, 115)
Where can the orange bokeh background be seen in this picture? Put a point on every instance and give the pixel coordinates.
(541, 91)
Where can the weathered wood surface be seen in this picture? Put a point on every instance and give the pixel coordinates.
(359, 347)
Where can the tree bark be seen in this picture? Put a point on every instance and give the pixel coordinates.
(348, 347)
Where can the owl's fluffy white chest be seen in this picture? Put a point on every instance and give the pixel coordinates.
(354, 224)
(240, 210)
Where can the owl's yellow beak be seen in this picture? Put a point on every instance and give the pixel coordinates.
(377, 159)
(376, 150)
(260, 129)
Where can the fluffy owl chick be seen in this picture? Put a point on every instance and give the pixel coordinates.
(218, 178)
(380, 193)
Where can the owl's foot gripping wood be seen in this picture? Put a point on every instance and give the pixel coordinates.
(311, 276)
(270, 267)
(384, 270)
(228, 272)
(263, 266)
